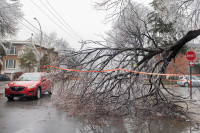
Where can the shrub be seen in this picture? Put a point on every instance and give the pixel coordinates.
(16, 75)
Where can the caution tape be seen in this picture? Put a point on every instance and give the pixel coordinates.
(131, 78)
(117, 69)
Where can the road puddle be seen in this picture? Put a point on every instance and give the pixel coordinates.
(127, 125)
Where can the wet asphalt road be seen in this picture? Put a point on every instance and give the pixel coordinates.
(27, 115)
(33, 116)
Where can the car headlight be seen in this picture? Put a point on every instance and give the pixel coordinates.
(31, 86)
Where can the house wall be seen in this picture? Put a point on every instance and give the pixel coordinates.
(180, 65)
(9, 71)
(53, 55)
(42, 50)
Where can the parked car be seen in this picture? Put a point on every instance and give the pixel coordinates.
(4, 78)
(28, 84)
(185, 80)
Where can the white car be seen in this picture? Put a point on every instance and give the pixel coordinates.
(185, 80)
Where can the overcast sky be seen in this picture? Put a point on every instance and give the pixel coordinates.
(78, 14)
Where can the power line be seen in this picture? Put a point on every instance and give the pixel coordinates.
(63, 19)
(53, 20)
(28, 27)
(72, 32)
(36, 29)
(31, 24)
(59, 20)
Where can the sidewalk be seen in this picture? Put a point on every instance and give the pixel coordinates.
(190, 105)
(2, 86)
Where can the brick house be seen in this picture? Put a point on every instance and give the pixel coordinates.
(180, 64)
(11, 60)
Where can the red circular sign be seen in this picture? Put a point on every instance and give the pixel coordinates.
(190, 55)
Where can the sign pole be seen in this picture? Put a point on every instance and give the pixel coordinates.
(191, 55)
(190, 82)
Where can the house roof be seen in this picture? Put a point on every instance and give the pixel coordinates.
(28, 42)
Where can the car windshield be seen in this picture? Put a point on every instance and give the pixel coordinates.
(29, 77)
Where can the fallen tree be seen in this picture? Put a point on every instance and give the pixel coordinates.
(136, 43)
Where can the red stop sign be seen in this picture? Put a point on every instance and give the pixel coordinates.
(190, 55)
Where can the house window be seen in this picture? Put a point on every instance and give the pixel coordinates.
(10, 63)
(13, 50)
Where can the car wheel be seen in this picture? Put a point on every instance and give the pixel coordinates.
(38, 93)
(10, 98)
(186, 84)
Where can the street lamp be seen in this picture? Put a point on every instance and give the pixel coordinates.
(40, 42)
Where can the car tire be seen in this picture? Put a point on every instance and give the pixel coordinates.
(186, 84)
(38, 93)
(10, 98)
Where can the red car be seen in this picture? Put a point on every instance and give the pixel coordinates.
(28, 84)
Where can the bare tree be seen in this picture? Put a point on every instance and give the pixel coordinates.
(61, 45)
(51, 40)
(10, 15)
(48, 39)
(135, 44)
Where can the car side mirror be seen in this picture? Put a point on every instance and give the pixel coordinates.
(44, 79)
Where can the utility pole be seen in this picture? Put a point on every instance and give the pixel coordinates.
(40, 43)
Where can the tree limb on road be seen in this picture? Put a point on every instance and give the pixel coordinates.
(141, 40)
